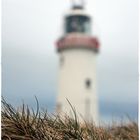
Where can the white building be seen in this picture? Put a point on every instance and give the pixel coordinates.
(78, 51)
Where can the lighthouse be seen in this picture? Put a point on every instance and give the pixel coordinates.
(77, 50)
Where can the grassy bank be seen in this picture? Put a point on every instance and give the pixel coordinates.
(26, 124)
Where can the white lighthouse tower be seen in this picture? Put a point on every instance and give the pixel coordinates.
(78, 51)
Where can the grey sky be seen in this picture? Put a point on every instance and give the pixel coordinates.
(30, 29)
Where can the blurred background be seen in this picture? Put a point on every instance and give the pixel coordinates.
(30, 29)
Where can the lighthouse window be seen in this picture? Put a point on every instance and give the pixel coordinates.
(88, 83)
(61, 60)
(78, 23)
(58, 107)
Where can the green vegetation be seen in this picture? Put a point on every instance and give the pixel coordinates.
(26, 124)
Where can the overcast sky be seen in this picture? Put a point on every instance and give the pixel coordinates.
(30, 29)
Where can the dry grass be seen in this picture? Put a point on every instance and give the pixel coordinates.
(26, 124)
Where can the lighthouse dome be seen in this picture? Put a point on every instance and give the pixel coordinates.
(77, 31)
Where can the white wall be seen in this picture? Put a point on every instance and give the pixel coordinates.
(76, 65)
